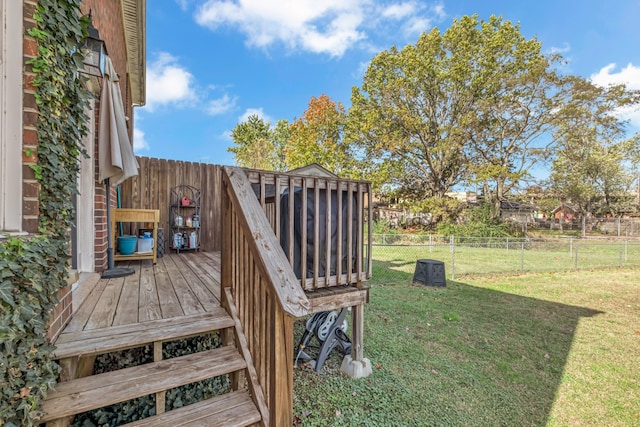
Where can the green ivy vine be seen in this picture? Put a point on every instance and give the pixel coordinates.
(33, 268)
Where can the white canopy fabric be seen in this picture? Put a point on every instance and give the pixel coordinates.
(115, 152)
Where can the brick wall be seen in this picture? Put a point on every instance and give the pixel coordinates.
(62, 312)
(107, 18)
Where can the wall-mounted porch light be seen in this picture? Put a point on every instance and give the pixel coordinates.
(94, 51)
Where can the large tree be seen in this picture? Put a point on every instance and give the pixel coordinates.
(318, 137)
(594, 166)
(258, 145)
(464, 105)
(511, 128)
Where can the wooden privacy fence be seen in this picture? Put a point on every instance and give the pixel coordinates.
(152, 187)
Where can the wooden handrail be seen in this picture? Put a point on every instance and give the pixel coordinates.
(264, 293)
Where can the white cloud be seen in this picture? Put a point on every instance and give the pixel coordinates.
(630, 76)
(318, 26)
(438, 10)
(184, 4)
(399, 10)
(417, 25)
(565, 48)
(414, 17)
(168, 82)
(361, 70)
(221, 105)
(139, 141)
(254, 112)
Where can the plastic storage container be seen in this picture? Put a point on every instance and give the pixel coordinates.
(145, 244)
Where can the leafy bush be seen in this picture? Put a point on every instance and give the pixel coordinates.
(27, 295)
(478, 221)
(383, 226)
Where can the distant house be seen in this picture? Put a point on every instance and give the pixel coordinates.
(313, 169)
(470, 197)
(564, 212)
(517, 212)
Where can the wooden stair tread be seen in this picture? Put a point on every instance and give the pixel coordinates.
(106, 340)
(101, 390)
(235, 409)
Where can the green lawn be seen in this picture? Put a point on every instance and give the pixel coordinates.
(557, 349)
(390, 261)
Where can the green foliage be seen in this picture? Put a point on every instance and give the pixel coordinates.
(32, 270)
(258, 145)
(318, 137)
(479, 221)
(27, 295)
(595, 164)
(463, 105)
(382, 227)
(445, 209)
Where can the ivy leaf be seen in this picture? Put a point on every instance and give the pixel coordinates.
(6, 293)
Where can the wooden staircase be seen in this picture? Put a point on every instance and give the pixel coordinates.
(80, 394)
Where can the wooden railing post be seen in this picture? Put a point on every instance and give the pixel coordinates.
(282, 389)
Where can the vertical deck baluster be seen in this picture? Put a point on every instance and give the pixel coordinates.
(290, 225)
(328, 243)
(359, 242)
(316, 231)
(339, 231)
(350, 233)
(303, 238)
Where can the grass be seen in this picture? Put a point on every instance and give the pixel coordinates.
(556, 349)
(392, 261)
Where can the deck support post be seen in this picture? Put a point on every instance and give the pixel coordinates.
(161, 395)
(356, 365)
(72, 368)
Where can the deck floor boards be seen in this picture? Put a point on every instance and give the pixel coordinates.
(126, 311)
(188, 301)
(178, 285)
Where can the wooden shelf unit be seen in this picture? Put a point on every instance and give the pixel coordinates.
(146, 216)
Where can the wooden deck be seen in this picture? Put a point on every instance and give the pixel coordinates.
(178, 285)
(175, 299)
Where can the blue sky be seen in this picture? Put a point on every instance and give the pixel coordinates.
(212, 63)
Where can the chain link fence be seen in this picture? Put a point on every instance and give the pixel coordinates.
(618, 227)
(395, 255)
